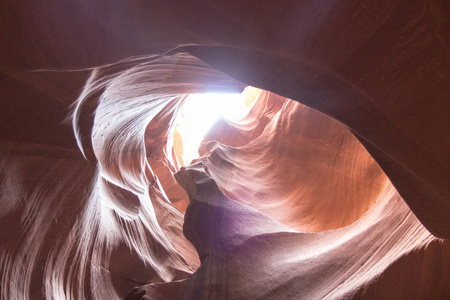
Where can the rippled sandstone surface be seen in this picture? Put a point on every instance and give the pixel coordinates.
(335, 186)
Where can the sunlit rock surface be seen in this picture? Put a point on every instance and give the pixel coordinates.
(343, 194)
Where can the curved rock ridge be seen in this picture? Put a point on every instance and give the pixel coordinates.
(304, 170)
(80, 229)
(247, 255)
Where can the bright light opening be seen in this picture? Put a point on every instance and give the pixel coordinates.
(201, 111)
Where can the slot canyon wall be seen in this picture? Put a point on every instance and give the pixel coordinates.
(336, 185)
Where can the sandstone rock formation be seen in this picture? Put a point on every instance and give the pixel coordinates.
(335, 186)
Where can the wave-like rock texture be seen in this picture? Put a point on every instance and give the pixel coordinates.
(305, 170)
(344, 243)
(78, 229)
(343, 194)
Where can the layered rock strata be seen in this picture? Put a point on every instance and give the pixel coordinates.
(286, 203)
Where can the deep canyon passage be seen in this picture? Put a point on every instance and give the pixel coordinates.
(334, 185)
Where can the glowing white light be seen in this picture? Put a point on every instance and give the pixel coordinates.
(200, 112)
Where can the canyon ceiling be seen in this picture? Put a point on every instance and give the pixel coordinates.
(336, 185)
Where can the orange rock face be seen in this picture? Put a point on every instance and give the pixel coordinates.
(304, 170)
(336, 185)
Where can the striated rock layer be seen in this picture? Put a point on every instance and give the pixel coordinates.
(341, 194)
